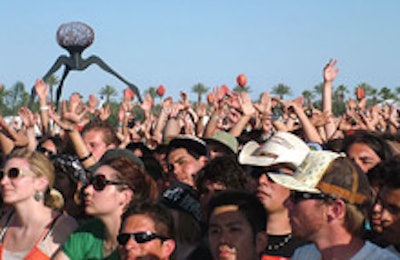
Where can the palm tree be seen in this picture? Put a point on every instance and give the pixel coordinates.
(386, 93)
(340, 92)
(16, 97)
(369, 92)
(52, 81)
(152, 91)
(281, 90)
(199, 89)
(308, 96)
(108, 92)
(238, 88)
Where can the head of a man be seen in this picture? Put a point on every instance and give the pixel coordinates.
(236, 226)
(389, 198)
(146, 232)
(282, 153)
(99, 136)
(186, 155)
(222, 143)
(326, 187)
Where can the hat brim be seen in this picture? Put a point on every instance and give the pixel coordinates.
(210, 141)
(291, 183)
(246, 157)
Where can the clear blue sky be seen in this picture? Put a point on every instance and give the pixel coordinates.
(180, 43)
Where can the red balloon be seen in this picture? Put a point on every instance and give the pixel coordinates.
(161, 90)
(130, 93)
(241, 80)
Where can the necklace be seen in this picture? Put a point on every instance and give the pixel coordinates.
(280, 244)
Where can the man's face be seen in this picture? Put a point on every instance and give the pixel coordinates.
(306, 217)
(271, 194)
(390, 199)
(230, 235)
(363, 155)
(153, 249)
(184, 165)
(95, 143)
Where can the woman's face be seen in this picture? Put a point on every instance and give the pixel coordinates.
(20, 188)
(363, 155)
(103, 195)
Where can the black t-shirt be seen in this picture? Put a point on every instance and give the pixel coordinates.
(282, 246)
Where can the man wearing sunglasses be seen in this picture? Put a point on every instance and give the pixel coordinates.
(281, 154)
(146, 232)
(330, 197)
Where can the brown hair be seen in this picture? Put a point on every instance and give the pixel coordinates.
(137, 179)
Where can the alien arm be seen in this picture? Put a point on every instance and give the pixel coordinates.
(104, 66)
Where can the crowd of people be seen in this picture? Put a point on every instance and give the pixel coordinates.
(232, 179)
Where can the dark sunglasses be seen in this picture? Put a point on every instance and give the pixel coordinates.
(140, 237)
(45, 151)
(99, 182)
(12, 173)
(297, 196)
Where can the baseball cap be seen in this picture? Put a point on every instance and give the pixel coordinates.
(225, 139)
(282, 147)
(329, 173)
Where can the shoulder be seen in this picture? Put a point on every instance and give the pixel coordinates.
(86, 239)
(308, 251)
(372, 251)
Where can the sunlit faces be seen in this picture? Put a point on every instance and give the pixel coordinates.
(363, 155)
(390, 199)
(230, 235)
(17, 187)
(95, 143)
(306, 217)
(111, 199)
(271, 194)
(184, 165)
(159, 247)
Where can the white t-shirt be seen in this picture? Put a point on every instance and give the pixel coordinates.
(368, 251)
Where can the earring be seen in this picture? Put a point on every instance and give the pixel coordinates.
(38, 196)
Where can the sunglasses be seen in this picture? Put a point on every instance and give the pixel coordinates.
(99, 182)
(297, 196)
(140, 237)
(12, 173)
(45, 151)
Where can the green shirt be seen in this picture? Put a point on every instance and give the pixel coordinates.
(87, 242)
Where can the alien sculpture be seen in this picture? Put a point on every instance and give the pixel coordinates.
(75, 37)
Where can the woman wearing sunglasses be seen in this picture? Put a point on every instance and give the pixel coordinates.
(108, 194)
(32, 227)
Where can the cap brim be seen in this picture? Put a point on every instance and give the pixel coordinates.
(246, 157)
(291, 183)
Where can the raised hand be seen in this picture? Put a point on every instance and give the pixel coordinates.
(41, 89)
(330, 71)
(246, 104)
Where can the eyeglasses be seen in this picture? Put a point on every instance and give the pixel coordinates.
(140, 237)
(45, 151)
(12, 173)
(99, 182)
(297, 196)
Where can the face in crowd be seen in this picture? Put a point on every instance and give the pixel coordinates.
(184, 165)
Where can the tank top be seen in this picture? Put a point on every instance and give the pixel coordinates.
(35, 253)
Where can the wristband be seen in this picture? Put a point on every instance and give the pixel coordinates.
(44, 108)
(86, 157)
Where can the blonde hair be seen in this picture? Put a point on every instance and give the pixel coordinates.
(41, 166)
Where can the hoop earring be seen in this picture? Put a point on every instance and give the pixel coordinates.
(38, 196)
